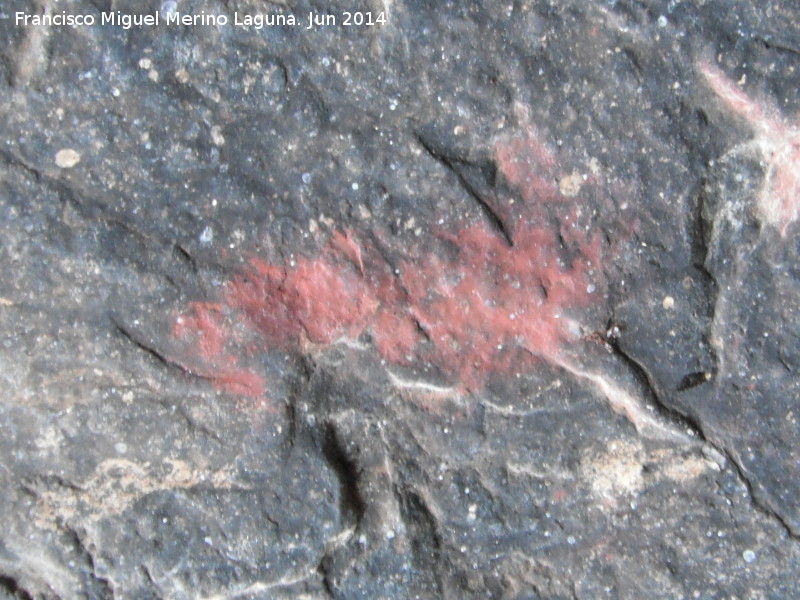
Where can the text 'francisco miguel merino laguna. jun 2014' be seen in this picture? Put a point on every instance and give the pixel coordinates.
(251, 21)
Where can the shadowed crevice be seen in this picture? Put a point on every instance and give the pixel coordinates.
(471, 177)
(351, 502)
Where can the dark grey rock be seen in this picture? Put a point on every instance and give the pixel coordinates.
(648, 449)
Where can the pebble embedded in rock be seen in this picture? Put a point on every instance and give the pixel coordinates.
(67, 158)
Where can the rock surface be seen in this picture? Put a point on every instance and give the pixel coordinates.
(475, 301)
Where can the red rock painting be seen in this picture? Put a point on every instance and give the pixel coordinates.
(483, 307)
(775, 139)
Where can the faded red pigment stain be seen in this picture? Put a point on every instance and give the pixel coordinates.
(480, 307)
(778, 142)
(204, 327)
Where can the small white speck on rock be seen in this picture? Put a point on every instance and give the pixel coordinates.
(207, 235)
(67, 158)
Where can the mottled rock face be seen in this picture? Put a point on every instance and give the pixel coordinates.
(469, 301)
(776, 141)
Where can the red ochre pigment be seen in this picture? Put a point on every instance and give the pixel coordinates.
(484, 308)
(777, 141)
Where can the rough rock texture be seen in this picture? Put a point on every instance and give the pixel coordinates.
(480, 301)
